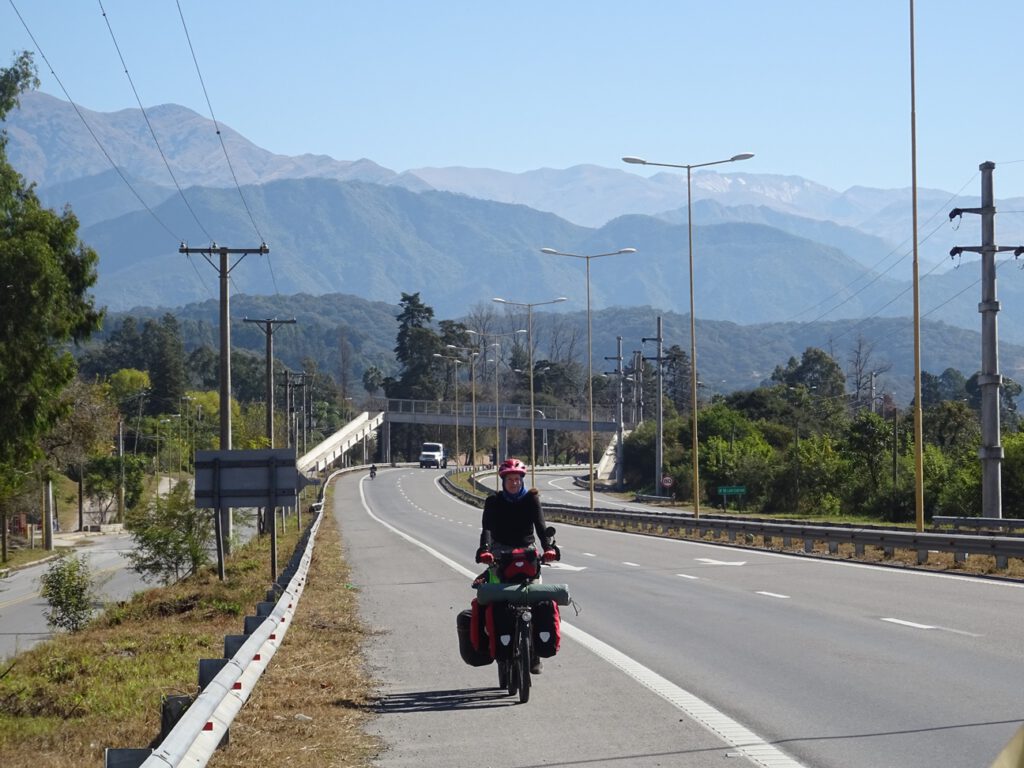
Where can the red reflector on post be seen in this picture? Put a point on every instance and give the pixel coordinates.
(208, 727)
(256, 657)
(273, 637)
(237, 686)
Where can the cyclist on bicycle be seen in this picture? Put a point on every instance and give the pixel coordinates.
(510, 518)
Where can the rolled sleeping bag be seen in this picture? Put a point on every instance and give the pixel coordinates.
(522, 594)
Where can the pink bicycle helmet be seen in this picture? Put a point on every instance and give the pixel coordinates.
(512, 467)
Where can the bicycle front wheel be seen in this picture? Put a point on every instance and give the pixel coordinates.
(522, 662)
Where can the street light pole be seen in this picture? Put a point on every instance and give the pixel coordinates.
(693, 328)
(590, 348)
(473, 355)
(497, 424)
(529, 347)
(456, 361)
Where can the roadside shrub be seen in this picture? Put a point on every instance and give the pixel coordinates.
(67, 587)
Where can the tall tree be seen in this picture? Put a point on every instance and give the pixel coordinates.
(44, 301)
(816, 371)
(165, 363)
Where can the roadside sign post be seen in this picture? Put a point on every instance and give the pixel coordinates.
(725, 491)
(261, 478)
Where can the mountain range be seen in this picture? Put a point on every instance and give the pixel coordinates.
(769, 249)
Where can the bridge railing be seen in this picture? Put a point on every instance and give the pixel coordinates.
(485, 410)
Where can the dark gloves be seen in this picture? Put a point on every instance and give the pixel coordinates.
(483, 556)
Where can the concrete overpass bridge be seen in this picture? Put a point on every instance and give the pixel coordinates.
(503, 417)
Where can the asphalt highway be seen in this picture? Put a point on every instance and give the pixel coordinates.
(683, 653)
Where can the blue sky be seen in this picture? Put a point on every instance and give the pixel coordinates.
(816, 88)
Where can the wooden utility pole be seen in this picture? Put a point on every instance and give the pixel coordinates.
(224, 271)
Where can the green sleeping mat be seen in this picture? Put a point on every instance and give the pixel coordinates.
(522, 594)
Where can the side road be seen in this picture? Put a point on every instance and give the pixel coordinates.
(435, 710)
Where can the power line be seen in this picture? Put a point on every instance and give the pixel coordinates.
(148, 123)
(879, 262)
(89, 128)
(215, 124)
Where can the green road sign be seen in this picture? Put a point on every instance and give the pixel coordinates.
(732, 490)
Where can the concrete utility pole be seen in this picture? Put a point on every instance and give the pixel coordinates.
(619, 449)
(224, 271)
(990, 380)
(268, 328)
(659, 443)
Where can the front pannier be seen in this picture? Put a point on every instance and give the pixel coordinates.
(547, 629)
(470, 655)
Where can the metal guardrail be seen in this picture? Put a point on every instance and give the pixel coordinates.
(888, 539)
(204, 724)
(960, 545)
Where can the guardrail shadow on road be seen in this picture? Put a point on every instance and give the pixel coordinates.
(444, 701)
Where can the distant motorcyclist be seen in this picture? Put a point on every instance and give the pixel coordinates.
(373, 471)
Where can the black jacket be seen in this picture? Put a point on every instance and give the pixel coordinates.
(513, 523)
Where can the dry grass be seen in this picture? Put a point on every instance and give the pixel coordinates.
(64, 701)
(311, 705)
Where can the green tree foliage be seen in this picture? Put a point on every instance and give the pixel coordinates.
(373, 379)
(172, 537)
(677, 383)
(165, 361)
(953, 427)
(43, 297)
(103, 481)
(128, 389)
(816, 370)
(67, 587)
(415, 347)
(1013, 475)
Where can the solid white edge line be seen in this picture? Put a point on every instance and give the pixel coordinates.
(735, 735)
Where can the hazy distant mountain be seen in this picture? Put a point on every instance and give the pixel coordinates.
(328, 236)
(49, 144)
(770, 248)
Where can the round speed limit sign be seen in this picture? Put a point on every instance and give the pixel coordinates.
(667, 481)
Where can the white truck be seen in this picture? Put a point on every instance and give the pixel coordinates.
(433, 455)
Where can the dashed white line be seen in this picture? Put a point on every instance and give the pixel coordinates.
(687, 576)
(588, 554)
(912, 624)
(631, 565)
(740, 738)
(774, 594)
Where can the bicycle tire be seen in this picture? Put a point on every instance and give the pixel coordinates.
(523, 661)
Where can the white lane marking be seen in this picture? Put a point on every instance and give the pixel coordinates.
(631, 565)
(748, 743)
(820, 562)
(913, 624)
(774, 594)
(745, 741)
(712, 561)
(566, 567)
(686, 576)
(588, 554)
